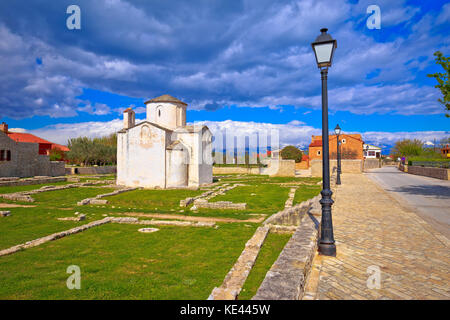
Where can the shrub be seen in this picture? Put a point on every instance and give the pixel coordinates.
(291, 153)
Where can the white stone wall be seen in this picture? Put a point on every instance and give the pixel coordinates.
(205, 167)
(177, 167)
(141, 157)
(151, 163)
(168, 115)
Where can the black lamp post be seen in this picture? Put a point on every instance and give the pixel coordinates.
(337, 130)
(324, 47)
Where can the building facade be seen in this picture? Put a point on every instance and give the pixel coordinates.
(24, 159)
(162, 151)
(351, 147)
(445, 151)
(371, 152)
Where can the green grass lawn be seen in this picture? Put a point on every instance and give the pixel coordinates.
(152, 200)
(306, 192)
(271, 249)
(30, 187)
(117, 262)
(26, 224)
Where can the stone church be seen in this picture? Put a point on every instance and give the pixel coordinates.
(162, 151)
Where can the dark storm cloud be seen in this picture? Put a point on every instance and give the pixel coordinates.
(212, 53)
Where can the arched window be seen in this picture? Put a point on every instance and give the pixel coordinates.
(158, 111)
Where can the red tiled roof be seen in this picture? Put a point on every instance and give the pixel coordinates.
(26, 137)
(31, 138)
(317, 143)
(60, 147)
(305, 157)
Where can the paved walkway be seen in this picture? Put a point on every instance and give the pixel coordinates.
(429, 197)
(373, 230)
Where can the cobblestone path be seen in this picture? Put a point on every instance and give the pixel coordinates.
(374, 231)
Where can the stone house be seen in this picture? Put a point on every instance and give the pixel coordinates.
(25, 159)
(351, 147)
(162, 151)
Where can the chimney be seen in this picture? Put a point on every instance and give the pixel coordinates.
(4, 127)
(128, 118)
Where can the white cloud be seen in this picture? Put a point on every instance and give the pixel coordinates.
(98, 109)
(242, 53)
(18, 130)
(295, 133)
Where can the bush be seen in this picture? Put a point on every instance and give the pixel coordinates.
(56, 155)
(291, 153)
(97, 151)
(407, 148)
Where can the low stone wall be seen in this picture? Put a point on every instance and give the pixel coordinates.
(371, 164)
(57, 168)
(287, 277)
(302, 165)
(438, 173)
(286, 169)
(275, 168)
(26, 195)
(347, 166)
(30, 181)
(294, 215)
(235, 170)
(97, 199)
(53, 236)
(221, 205)
(91, 170)
(235, 279)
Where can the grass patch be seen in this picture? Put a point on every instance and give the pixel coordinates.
(260, 198)
(117, 262)
(306, 192)
(271, 249)
(152, 200)
(14, 189)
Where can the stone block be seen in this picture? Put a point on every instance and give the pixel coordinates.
(5, 213)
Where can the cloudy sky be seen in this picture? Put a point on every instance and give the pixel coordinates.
(240, 65)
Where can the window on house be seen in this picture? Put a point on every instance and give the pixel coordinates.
(343, 140)
(371, 153)
(159, 113)
(318, 152)
(8, 155)
(2, 155)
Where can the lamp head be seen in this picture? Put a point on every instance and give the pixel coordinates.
(337, 130)
(324, 47)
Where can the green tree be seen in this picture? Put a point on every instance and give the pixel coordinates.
(407, 148)
(56, 155)
(443, 79)
(291, 153)
(96, 151)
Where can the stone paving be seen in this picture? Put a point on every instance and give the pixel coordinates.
(373, 230)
